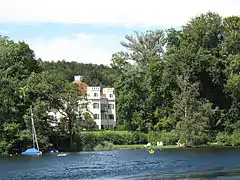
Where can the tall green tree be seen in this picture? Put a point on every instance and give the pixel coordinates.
(132, 89)
(71, 112)
(17, 62)
(193, 113)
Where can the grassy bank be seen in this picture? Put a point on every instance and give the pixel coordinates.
(120, 140)
(141, 146)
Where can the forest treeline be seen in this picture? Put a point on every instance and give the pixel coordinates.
(184, 82)
(93, 74)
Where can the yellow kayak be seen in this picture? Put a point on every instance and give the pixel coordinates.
(151, 151)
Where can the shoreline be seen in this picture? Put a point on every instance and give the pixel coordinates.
(141, 146)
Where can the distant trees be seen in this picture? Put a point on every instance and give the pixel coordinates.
(93, 75)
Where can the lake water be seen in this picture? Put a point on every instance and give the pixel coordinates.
(203, 163)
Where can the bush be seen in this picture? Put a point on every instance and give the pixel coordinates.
(138, 138)
(168, 138)
(224, 138)
(93, 140)
(104, 146)
(89, 139)
(154, 137)
(235, 138)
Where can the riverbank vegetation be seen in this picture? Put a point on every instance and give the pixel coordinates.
(170, 84)
(110, 140)
(184, 81)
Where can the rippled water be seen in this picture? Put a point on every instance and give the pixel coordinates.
(127, 164)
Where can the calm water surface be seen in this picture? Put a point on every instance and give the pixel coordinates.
(128, 164)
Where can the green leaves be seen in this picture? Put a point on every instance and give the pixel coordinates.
(180, 78)
(186, 80)
(17, 59)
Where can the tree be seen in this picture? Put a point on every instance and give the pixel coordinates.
(17, 59)
(17, 62)
(71, 112)
(132, 90)
(232, 89)
(93, 74)
(231, 43)
(88, 122)
(194, 114)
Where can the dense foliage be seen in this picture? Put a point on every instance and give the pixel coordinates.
(93, 140)
(184, 80)
(185, 83)
(93, 75)
(24, 84)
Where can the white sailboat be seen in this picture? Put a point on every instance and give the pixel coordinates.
(33, 150)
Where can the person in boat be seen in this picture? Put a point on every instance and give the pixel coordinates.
(151, 151)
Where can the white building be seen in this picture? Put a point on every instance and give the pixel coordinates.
(100, 104)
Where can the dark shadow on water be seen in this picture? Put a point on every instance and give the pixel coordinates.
(216, 173)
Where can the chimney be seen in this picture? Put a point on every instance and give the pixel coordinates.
(78, 78)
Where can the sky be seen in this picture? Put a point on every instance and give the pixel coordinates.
(90, 31)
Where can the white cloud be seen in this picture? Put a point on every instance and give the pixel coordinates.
(99, 48)
(121, 12)
(96, 49)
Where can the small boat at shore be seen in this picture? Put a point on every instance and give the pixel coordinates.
(33, 150)
(62, 154)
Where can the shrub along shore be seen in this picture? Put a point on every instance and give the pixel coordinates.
(107, 140)
(123, 140)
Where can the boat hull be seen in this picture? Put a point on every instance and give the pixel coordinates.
(32, 151)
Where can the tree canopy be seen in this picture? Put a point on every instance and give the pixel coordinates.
(185, 81)
(181, 80)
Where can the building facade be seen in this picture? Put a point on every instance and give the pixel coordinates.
(100, 104)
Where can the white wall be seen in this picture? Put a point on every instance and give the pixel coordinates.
(93, 92)
(93, 96)
(109, 92)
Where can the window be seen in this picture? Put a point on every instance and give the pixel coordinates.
(111, 116)
(95, 94)
(96, 116)
(110, 106)
(102, 116)
(103, 107)
(111, 95)
(107, 126)
(95, 105)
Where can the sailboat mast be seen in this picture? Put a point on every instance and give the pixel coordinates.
(34, 135)
(32, 122)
